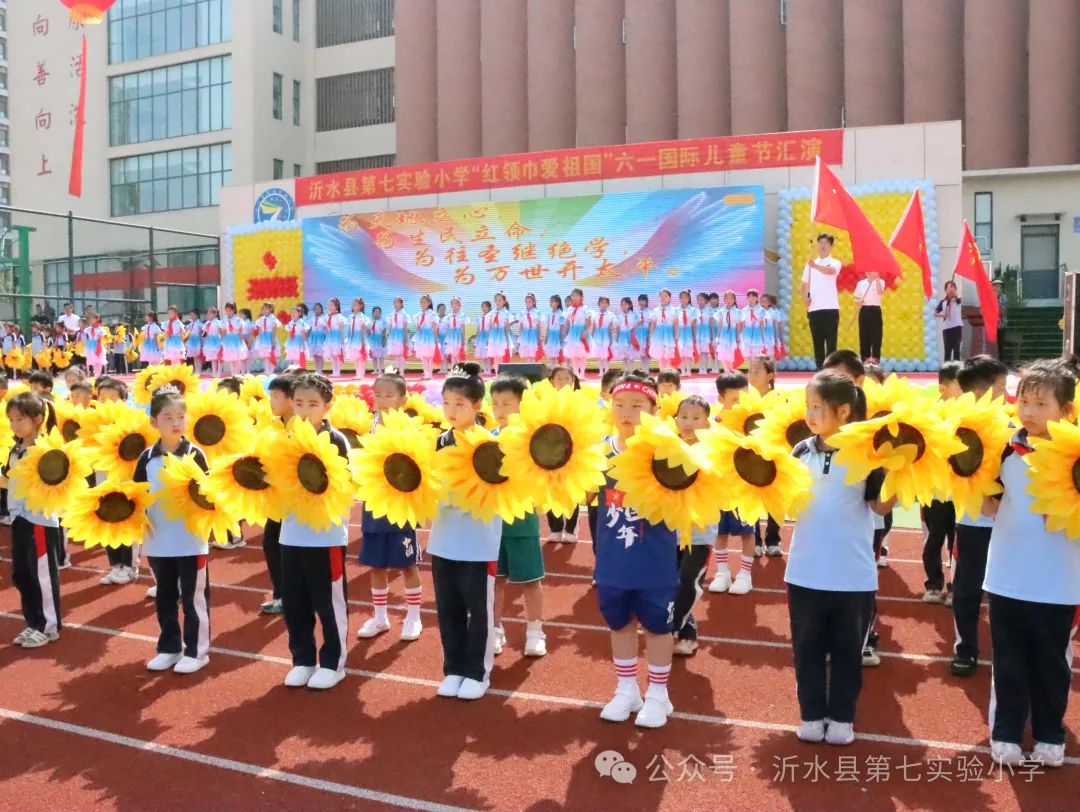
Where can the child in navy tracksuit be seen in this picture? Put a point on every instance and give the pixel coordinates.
(464, 552)
(178, 559)
(637, 576)
(387, 546)
(280, 392)
(313, 566)
(1033, 579)
(831, 573)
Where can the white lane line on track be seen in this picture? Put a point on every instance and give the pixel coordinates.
(550, 699)
(232, 765)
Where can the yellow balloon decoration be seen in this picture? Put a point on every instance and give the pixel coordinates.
(268, 265)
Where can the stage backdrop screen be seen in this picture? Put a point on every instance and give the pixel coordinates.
(615, 245)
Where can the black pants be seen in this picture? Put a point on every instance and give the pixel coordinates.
(828, 624)
(872, 636)
(692, 566)
(3, 501)
(940, 521)
(34, 573)
(950, 337)
(824, 325)
(566, 524)
(1031, 669)
(183, 580)
(464, 598)
(313, 583)
(272, 552)
(870, 332)
(972, 545)
(122, 556)
(772, 533)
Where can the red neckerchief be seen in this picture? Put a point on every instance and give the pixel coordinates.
(684, 317)
(573, 314)
(171, 322)
(229, 324)
(292, 328)
(663, 314)
(600, 320)
(554, 313)
(528, 315)
(396, 312)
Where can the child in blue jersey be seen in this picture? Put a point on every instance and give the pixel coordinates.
(1033, 579)
(178, 558)
(637, 576)
(313, 565)
(831, 573)
(464, 552)
(387, 546)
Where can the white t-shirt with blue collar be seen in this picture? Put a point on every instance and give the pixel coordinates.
(167, 538)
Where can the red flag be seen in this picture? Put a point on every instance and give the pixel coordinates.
(75, 178)
(969, 265)
(910, 240)
(833, 205)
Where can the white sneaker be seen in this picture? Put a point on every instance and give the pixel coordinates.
(1006, 754)
(189, 665)
(325, 678)
(110, 576)
(621, 706)
(1049, 755)
(555, 537)
(272, 607)
(410, 629)
(654, 712)
(948, 599)
(932, 596)
(372, 628)
(18, 641)
(839, 733)
(570, 538)
(883, 561)
(8, 520)
(64, 565)
(870, 658)
(759, 551)
(124, 575)
(811, 731)
(36, 639)
(450, 685)
(774, 551)
(500, 639)
(721, 582)
(163, 662)
(684, 648)
(741, 585)
(152, 591)
(472, 689)
(299, 675)
(535, 643)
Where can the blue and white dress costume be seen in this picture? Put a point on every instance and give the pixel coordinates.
(727, 333)
(686, 333)
(212, 339)
(317, 336)
(626, 341)
(397, 342)
(193, 344)
(233, 347)
(376, 338)
(500, 344)
(150, 351)
(601, 335)
(174, 340)
(576, 344)
(355, 341)
(452, 334)
(529, 337)
(553, 338)
(425, 340)
(662, 346)
(265, 344)
(752, 340)
(296, 342)
(335, 336)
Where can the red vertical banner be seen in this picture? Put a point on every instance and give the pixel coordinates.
(75, 178)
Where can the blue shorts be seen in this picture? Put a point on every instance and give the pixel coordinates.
(654, 608)
(389, 551)
(732, 525)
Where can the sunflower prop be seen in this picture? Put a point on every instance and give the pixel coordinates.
(71, 420)
(181, 376)
(667, 480)
(132, 355)
(252, 389)
(983, 428)
(556, 443)
(262, 418)
(239, 481)
(142, 388)
(1055, 478)
(785, 425)
(470, 470)
(349, 415)
(882, 397)
(667, 405)
(219, 424)
(17, 359)
(7, 436)
(747, 413)
(61, 358)
(112, 514)
(183, 496)
(116, 445)
(311, 477)
(44, 358)
(395, 470)
(416, 405)
(50, 473)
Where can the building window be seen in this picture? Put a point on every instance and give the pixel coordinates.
(984, 221)
(355, 99)
(296, 20)
(341, 21)
(3, 77)
(3, 135)
(164, 181)
(1040, 276)
(5, 168)
(296, 103)
(3, 106)
(141, 28)
(5, 193)
(279, 169)
(277, 96)
(195, 97)
(297, 170)
(279, 24)
(352, 164)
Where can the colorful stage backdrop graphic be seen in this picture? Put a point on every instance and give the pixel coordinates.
(614, 245)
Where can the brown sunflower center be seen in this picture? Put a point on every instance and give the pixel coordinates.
(197, 497)
(250, 474)
(412, 412)
(881, 413)
(754, 469)
(672, 477)
(1076, 475)
(487, 459)
(402, 473)
(965, 463)
(352, 437)
(114, 508)
(209, 430)
(70, 430)
(905, 435)
(312, 474)
(53, 467)
(131, 447)
(797, 432)
(551, 447)
(751, 422)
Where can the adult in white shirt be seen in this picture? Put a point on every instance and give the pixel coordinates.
(952, 322)
(819, 293)
(868, 305)
(69, 320)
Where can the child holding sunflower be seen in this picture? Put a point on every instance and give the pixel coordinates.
(1033, 580)
(463, 553)
(35, 538)
(387, 545)
(761, 374)
(280, 393)
(563, 528)
(178, 558)
(831, 573)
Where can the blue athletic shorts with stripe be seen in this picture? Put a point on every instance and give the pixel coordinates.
(654, 608)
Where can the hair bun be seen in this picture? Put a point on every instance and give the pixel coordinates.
(471, 369)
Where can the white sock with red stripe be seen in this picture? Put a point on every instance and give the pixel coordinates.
(747, 565)
(658, 677)
(378, 597)
(412, 600)
(720, 557)
(626, 671)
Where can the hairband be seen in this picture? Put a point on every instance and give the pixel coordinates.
(634, 386)
(457, 371)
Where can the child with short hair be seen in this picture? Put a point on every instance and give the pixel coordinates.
(668, 381)
(41, 383)
(729, 386)
(948, 385)
(81, 394)
(847, 363)
(280, 394)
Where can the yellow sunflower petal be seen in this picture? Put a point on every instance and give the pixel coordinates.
(239, 482)
(218, 423)
(983, 428)
(115, 446)
(470, 472)
(181, 376)
(50, 474)
(1054, 478)
(183, 495)
(112, 514)
(351, 416)
(312, 478)
(395, 472)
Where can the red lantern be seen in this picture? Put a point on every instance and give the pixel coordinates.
(87, 11)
